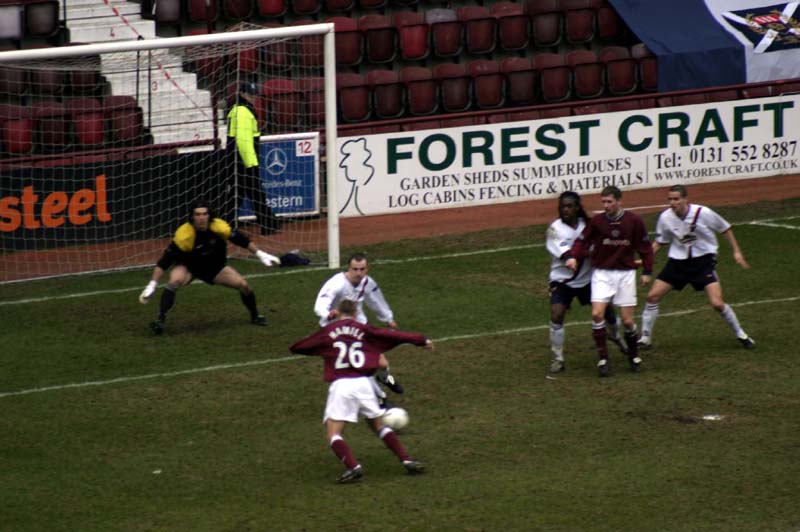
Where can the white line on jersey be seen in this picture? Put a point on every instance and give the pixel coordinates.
(235, 365)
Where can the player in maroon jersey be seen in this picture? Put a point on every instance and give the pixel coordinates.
(352, 353)
(611, 238)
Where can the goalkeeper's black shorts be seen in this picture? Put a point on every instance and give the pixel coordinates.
(205, 272)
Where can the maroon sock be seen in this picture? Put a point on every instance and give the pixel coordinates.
(599, 336)
(343, 453)
(392, 442)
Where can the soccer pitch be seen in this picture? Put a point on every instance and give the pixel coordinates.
(215, 426)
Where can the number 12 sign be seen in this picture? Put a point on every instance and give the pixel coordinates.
(289, 168)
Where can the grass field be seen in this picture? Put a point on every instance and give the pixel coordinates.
(216, 427)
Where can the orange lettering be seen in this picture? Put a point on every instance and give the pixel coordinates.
(81, 201)
(102, 200)
(9, 213)
(53, 204)
(29, 200)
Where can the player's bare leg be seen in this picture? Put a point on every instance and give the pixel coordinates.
(342, 451)
(650, 312)
(392, 442)
(714, 293)
(233, 279)
(599, 334)
(557, 336)
(629, 324)
(179, 276)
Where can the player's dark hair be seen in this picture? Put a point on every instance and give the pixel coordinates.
(201, 204)
(347, 307)
(574, 196)
(680, 189)
(611, 190)
(358, 257)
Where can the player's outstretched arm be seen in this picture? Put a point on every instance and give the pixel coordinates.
(737, 252)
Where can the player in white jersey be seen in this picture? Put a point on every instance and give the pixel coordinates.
(565, 285)
(355, 285)
(691, 232)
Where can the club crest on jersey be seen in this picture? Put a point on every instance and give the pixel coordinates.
(768, 28)
(688, 238)
(615, 233)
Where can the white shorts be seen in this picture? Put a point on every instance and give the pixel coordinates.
(347, 398)
(619, 285)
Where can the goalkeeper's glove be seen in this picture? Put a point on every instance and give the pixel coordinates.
(148, 292)
(267, 259)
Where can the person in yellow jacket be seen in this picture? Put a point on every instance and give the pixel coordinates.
(199, 250)
(243, 134)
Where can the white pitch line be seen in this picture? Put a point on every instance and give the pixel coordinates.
(779, 226)
(151, 376)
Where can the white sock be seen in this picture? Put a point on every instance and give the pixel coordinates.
(649, 317)
(730, 316)
(557, 340)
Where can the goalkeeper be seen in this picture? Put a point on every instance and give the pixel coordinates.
(199, 250)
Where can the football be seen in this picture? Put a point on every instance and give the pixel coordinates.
(395, 418)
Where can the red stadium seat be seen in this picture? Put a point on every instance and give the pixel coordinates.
(311, 50)
(446, 32)
(246, 59)
(480, 29)
(513, 25)
(412, 33)
(312, 92)
(272, 8)
(372, 4)
(85, 81)
(198, 9)
(555, 77)
(306, 7)
(620, 70)
(13, 79)
(421, 90)
(237, 9)
(282, 103)
(580, 20)
(279, 55)
(522, 81)
(388, 96)
(610, 26)
(205, 67)
(125, 120)
(380, 38)
(587, 73)
(53, 132)
(349, 41)
(41, 17)
(17, 129)
(354, 97)
(488, 83)
(454, 87)
(339, 6)
(88, 121)
(546, 20)
(47, 82)
(648, 67)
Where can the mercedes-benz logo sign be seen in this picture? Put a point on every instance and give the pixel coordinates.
(276, 161)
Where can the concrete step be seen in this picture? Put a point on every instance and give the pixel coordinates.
(177, 102)
(187, 119)
(169, 134)
(100, 11)
(178, 82)
(105, 31)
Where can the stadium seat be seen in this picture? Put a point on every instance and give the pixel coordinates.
(388, 96)
(454, 87)
(13, 79)
(380, 38)
(199, 11)
(17, 129)
(312, 92)
(555, 77)
(282, 103)
(587, 74)
(372, 4)
(41, 17)
(272, 8)
(237, 9)
(648, 67)
(522, 81)
(412, 33)
(488, 83)
(354, 97)
(620, 70)
(205, 67)
(306, 7)
(53, 132)
(480, 29)
(421, 90)
(580, 20)
(310, 49)
(339, 6)
(85, 81)
(125, 120)
(446, 32)
(546, 22)
(245, 60)
(12, 21)
(349, 41)
(513, 25)
(47, 82)
(279, 55)
(88, 121)
(610, 26)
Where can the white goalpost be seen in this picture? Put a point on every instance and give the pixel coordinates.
(104, 147)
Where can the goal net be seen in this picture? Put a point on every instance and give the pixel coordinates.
(104, 147)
